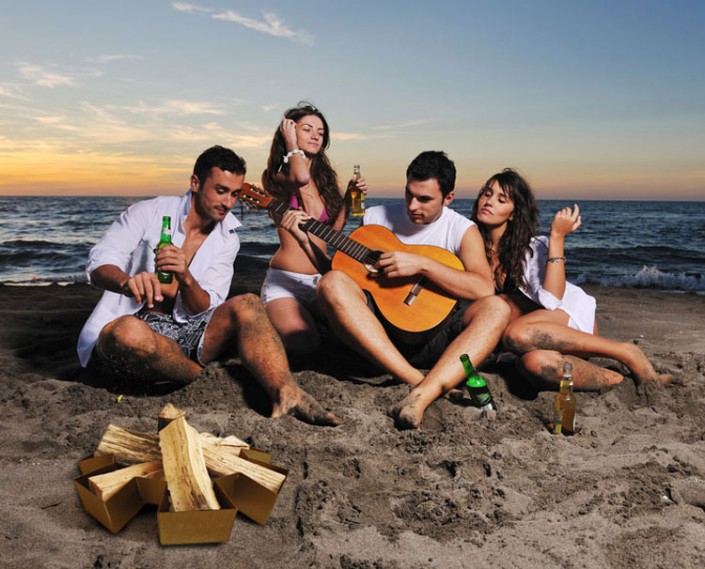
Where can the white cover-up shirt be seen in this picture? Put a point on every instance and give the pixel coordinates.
(447, 231)
(129, 244)
(579, 305)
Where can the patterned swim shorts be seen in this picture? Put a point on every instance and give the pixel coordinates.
(189, 335)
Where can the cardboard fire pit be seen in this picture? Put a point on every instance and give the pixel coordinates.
(235, 491)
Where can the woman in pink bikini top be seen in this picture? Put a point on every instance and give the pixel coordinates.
(299, 173)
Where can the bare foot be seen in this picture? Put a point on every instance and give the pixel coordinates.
(455, 395)
(642, 370)
(305, 408)
(408, 412)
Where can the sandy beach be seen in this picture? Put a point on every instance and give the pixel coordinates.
(628, 490)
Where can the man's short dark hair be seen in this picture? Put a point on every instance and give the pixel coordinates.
(218, 157)
(433, 164)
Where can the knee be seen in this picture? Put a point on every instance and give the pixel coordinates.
(494, 308)
(517, 338)
(331, 285)
(243, 308)
(128, 334)
(542, 363)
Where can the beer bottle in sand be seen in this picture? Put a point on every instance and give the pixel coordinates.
(477, 386)
(564, 404)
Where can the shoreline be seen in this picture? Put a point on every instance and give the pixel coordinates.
(628, 490)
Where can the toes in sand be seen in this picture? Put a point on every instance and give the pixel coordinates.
(305, 408)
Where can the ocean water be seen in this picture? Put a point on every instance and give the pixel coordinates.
(633, 244)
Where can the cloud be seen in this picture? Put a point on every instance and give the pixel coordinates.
(41, 77)
(271, 24)
(408, 124)
(108, 58)
(343, 136)
(177, 106)
(11, 92)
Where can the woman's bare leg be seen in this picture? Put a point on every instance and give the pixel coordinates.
(548, 330)
(544, 369)
(295, 326)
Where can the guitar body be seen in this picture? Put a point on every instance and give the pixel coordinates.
(430, 307)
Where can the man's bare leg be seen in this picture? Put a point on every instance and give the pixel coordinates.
(345, 306)
(243, 320)
(131, 344)
(548, 330)
(485, 321)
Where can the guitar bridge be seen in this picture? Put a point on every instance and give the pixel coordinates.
(414, 292)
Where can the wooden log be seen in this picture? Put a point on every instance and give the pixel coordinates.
(221, 455)
(168, 414)
(187, 478)
(222, 464)
(129, 447)
(107, 485)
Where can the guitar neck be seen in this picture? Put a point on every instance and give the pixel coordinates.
(334, 238)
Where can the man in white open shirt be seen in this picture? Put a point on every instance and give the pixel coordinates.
(150, 329)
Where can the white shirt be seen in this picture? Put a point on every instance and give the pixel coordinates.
(129, 244)
(447, 231)
(579, 305)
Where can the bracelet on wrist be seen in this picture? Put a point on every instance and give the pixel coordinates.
(292, 152)
(556, 259)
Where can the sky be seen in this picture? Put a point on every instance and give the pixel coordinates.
(591, 99)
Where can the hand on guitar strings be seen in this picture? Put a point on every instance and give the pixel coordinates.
(400, 264)
(292, 221)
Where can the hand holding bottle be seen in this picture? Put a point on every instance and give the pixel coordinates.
(357, 189)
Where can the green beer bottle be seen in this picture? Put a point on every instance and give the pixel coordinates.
(164, 240)
(477, 386)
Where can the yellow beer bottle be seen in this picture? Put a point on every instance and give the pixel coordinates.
(564, 404)
(357, 196)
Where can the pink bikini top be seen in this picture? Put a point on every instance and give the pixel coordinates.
(294, 203)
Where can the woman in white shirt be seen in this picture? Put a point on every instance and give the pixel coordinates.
(553, 321)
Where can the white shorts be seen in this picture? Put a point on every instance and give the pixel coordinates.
(285, 284)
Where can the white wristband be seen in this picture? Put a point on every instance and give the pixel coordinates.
(290, 154)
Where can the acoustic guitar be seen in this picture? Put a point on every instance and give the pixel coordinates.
(413, 306)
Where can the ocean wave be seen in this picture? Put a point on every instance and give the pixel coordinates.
(647, 278)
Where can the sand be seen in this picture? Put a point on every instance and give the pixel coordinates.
(628, 490)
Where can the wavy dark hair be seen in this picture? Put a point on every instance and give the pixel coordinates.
(322, 172)
(523, 226)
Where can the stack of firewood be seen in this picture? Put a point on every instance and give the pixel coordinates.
(181, 456)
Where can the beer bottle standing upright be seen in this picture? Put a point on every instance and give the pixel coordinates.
(164, 240)
(477, 386)
(564, 404)
(357, 196)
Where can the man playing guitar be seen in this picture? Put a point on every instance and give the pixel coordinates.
(474, 327)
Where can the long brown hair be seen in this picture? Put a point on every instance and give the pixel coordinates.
(521, 229)
(322, 172)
